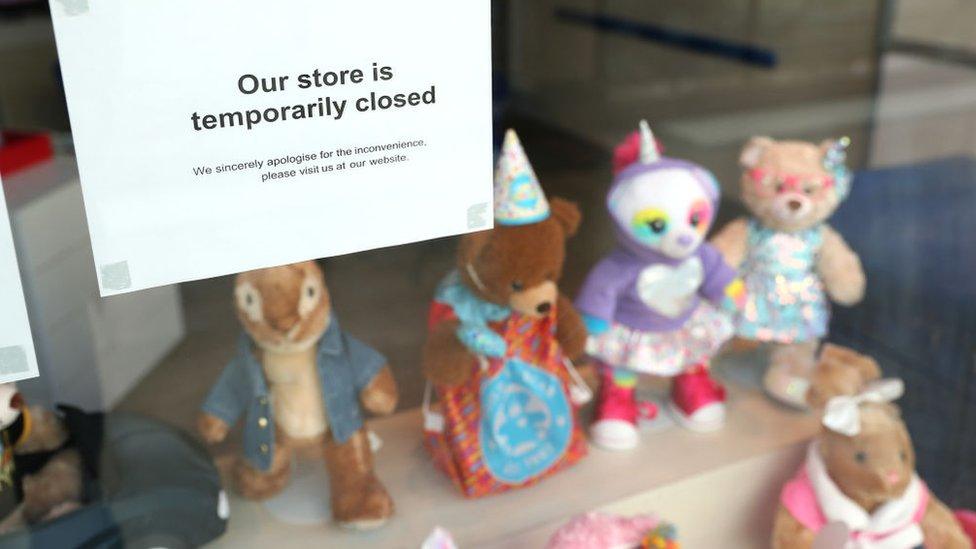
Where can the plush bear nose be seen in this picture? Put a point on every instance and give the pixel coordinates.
(892, 477)
(284, 324)
(794, 205)
(543, 307)
(685, 240)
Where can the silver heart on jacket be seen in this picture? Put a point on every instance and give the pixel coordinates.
(670, 290)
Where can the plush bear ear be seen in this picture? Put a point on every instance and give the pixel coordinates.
(753, 151)
(309, 268)
(836, 353)
(840, 372)
(866, 366)
(470, 246)
(567, 214)
(894, 412)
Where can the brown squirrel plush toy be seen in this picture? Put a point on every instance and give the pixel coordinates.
(858, 488)
(300, 383)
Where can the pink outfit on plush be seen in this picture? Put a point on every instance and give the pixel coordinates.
(814, 500)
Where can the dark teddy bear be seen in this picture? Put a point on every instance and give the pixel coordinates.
(517, 266)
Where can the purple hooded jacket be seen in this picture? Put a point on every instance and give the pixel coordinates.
(611, 291)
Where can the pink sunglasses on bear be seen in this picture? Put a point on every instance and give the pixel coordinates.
(767, 181)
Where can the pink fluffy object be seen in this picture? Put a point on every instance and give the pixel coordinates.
(602, 530)
(628, 151)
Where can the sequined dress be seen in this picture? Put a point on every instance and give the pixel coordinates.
(786, 302)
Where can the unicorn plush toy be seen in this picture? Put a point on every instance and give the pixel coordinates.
(650, 306)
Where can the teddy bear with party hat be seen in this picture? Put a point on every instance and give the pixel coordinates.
(651, 305)
(501, 334)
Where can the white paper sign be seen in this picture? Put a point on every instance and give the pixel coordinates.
(17, 358)
(217, 136)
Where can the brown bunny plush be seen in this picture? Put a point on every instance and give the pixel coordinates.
(792, 262)
(858, 485)
(299, 382)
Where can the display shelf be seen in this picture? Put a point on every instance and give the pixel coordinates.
(717, 488)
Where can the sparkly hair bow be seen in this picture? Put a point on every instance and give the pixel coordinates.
(835, 162)
(843, 413)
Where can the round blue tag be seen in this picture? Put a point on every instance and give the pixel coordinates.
(526, 422)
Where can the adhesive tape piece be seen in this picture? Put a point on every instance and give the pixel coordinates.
(73, 8)
(13, 360)
(115, 276)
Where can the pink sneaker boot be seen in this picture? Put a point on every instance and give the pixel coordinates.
(697, 400)
(617, 411)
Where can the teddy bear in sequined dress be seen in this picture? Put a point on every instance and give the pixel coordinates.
(792, 262)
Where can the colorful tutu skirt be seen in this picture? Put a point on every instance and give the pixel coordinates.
(664, 353)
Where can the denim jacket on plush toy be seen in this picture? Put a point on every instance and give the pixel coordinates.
(346, 366)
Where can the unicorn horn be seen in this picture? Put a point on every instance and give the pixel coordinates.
(648, 145)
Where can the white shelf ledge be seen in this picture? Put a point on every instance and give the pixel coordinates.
(719, 486)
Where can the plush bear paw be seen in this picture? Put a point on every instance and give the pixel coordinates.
(446, 361)
(211, 428)
(847, 294)
(364, 505)
(787, 380)
(381, 395)
(260, 485)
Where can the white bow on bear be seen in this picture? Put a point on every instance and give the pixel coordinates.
(843, 413)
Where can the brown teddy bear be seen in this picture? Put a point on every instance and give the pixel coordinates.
(298, 381)
(500, 334)
(858, 487)
(793, 264)
(516, 266)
